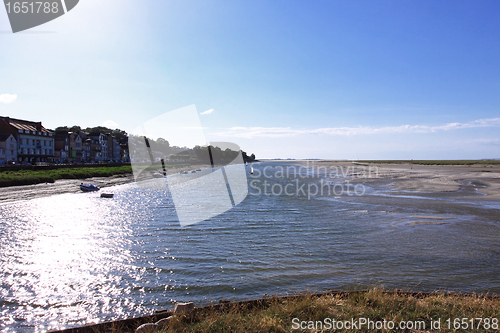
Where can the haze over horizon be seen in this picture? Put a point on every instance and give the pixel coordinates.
(282, 79)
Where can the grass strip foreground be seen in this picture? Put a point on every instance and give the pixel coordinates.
(365, 311)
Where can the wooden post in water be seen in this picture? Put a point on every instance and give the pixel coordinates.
(163, 166)
(211, 158)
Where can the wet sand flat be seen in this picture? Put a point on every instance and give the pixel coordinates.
(477, 179)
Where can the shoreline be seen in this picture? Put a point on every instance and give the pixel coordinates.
(466, 181)
(10, 194)
(388, 303)
(463, 180)
(61, 186)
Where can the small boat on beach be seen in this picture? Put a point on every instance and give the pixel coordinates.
(107, 195)
(87, 187)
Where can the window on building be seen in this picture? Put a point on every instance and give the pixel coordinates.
(20, 131)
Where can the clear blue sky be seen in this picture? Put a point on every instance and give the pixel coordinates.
(301, 79)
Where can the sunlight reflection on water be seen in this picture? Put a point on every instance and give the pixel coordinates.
(59, 249)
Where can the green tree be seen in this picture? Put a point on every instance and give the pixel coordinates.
(163, 142)
(75, 129)
(119, 134)
(247, 158)
(100, 129)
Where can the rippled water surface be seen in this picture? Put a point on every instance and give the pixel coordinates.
(72, 259)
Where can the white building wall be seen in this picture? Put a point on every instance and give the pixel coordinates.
(35, 146)
(8, 150)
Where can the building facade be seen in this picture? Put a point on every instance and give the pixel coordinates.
(86, 146)
(116, 150)
(35, 143)
(8, 148)
(98, 147)
(75, 147)
(61, 147)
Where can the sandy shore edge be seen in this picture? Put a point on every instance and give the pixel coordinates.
(62, 186)
(477, 181)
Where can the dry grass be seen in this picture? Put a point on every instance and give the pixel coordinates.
(276, 314)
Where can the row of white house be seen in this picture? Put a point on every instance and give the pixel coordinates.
(23, 141)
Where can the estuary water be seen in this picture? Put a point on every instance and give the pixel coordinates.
(73, 259)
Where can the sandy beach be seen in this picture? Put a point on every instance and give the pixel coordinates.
(26, 192)
(467, 181)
